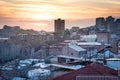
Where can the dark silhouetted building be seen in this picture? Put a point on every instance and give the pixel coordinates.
(110, 24)
(118, 23)
(100, 23)
(59, 27)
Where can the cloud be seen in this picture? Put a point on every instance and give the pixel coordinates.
(33, 11)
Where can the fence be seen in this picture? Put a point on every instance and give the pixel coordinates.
(96, 78)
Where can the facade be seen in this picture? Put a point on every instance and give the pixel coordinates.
(50, 51)
(91, 48)
(113, 63)
(105, 54)
(108, 24)
(100, 23)
(74, 29)
(118, 23)
(103, 37)
(71, 52)
(59, 27)
(38, 72)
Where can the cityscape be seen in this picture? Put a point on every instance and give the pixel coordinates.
(89, 52)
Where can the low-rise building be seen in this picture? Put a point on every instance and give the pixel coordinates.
(71, 50)
(113, 63)
(93, 71)
(38, 72)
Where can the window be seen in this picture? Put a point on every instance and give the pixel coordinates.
(71, 53)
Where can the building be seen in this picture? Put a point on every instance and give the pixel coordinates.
(93, 71)
(59, 27)
(103, 37)
(91, 48)
(105, 54)
(118, 23)
(71, 52)
(18, 78)
(74, 29)
(110, 24)
(113, 63)
(38, 72)
(88, 38)
(100, 23)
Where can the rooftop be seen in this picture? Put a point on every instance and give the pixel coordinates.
(89, 43)
(76, 48)
(69, 57)
(95, 69)
(114, 59)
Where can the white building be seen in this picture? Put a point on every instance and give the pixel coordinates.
(18, 78)
(38, 72)
(41, 65)
(71, 52)
(89, 38)
(113, 63)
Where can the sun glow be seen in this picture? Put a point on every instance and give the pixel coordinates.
(42, 16)
(41, 13)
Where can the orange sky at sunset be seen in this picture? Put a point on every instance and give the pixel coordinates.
(40, 14)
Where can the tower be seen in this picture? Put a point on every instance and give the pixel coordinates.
(59, 26)
(110, 24)
(100, 23)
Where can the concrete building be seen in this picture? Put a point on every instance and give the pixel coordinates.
(100, 23)
(110, 24)
(118, 23)
(38, 72)
(113, 63)
(74, 29)
(103, 37)
(71, 52)
(59, 27)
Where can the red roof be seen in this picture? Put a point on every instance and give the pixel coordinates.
(114, 48)
(92, 69)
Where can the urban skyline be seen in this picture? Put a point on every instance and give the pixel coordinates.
(40, 14)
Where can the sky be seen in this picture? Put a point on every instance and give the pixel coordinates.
(40, 14)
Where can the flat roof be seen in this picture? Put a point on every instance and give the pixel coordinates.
(77, 48)
(64, 66)
(89, 43)
(4, 38)
(76, 58)
(113, 59)
(69, 57)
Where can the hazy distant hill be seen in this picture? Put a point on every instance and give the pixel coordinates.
(8, 31)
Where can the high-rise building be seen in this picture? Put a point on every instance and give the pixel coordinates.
(118, 23)
(59, 25)
(100, 23)
(110, 24)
